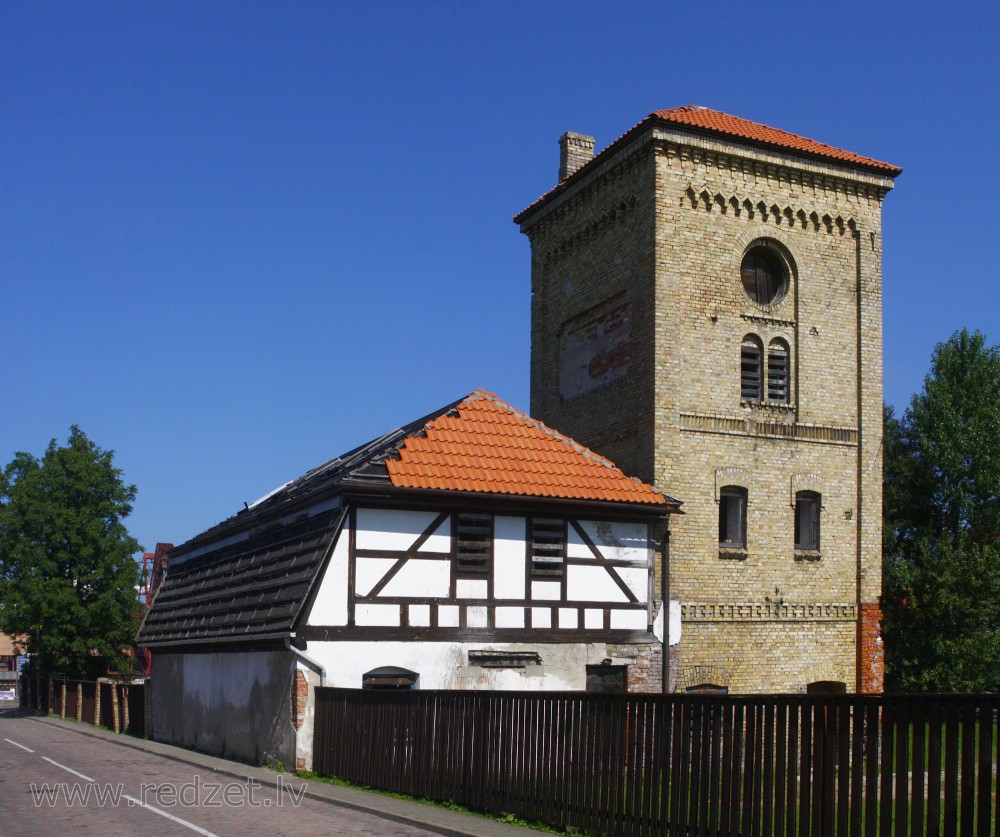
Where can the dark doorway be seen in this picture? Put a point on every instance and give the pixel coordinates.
(608, 680)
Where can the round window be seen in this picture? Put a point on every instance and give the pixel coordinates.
(764, 277)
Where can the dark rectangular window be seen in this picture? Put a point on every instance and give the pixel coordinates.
(547, 546)
(733, 517)
(807, 509)
(473, 544)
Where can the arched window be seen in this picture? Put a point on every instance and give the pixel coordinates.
(777, 371)
(751, 368)
(807, 510)
(733, 517)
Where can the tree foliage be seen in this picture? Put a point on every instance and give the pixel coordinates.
(67, 573)
(941, 563)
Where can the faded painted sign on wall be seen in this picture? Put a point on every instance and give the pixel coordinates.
(595, 347)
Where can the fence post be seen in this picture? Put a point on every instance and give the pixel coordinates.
(125, 717)
(62, 702)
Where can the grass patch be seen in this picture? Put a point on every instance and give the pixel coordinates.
(509, 819)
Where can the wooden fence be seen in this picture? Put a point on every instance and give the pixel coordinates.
(679, 764)
(114, 705)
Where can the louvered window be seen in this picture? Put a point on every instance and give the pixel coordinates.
(547, 544)
(777, 372)
(473, 544)
(751, 361)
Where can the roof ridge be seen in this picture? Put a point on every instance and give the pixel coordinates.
(575, 445)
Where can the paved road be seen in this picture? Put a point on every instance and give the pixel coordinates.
(52, 778)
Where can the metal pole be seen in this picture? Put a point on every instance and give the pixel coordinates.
(665, 607)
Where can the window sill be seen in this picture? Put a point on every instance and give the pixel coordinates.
(733, 553)
(808, 555)
(780, 407)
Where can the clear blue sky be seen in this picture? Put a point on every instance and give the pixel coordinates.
(238, 239)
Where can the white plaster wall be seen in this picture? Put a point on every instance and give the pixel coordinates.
(471, 588)
(397, 529)
(421, 577)
(444, 665)
(616, 541)
(330, 607)
(673, 624)
(594, 584)
(376, 615)
(510, 617)
(636, 579)
(431, 578)
(545, 590)
(509, 555)
(369, 571)
(632, 620)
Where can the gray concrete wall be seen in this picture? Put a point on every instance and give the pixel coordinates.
(236, 704)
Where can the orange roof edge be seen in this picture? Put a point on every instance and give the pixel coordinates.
(714, 122)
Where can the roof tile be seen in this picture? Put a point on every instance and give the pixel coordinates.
(491, 447)
(734, 126)
(711, 121)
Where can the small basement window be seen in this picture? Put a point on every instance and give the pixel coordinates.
(826, 687)
(707, 689)
(504, 659)
(547, 545)
(473, 544)
(733, 518)
(389, 679)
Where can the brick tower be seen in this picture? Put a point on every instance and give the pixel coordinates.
(706, 312)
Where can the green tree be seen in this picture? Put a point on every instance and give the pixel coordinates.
(941, 567)
(67, 573)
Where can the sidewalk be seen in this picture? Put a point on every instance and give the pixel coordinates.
(450, 823)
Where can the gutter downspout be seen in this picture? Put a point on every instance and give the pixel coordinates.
(315, 665)
(665, 599)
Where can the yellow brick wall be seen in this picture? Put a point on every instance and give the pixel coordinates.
(691, 207)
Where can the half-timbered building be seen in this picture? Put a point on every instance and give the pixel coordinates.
(475, 548)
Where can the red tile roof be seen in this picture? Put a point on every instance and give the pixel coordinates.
(717, 122)
(485, 445)
(708, 121)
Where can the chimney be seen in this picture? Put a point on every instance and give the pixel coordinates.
(575, 150)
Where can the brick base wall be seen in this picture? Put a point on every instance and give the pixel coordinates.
(300, 697)
(645, 669)
(871, 653)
